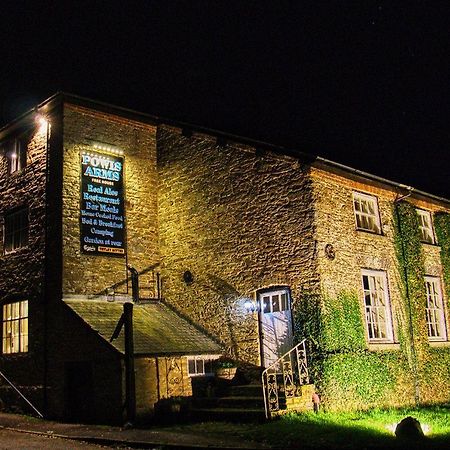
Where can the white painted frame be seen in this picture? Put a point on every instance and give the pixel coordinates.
(370, 216)
(426, 226)
(435, 312)
(378, 317)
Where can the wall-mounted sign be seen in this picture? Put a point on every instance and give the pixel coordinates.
(102, 215)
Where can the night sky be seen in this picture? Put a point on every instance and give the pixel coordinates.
(364, 83)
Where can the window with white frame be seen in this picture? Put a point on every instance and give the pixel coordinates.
(15, 327)
(377, 306)
(275, 301)
(435, 310)
(15, 229)
(366, 212)
(200, 365)
(425, 226)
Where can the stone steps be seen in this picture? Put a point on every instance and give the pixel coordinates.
(245, 403)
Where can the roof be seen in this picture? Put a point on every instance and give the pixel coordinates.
(157, 330)
(61, 97)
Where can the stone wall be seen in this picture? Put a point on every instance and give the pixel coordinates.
(22, 271)
(85, 274)
(72, 347)
(367, 374)
(161, 384)
(239, 219)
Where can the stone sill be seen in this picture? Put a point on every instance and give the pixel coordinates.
(430, 244)
(379, 346)
(373, 233)
(439, 344)
(17, 251)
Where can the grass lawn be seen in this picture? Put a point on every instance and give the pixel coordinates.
(357, 430)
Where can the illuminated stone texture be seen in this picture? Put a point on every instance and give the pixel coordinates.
(84, 274)
(356, 250)
(239, 218)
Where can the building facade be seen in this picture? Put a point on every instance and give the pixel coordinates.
(242, 249)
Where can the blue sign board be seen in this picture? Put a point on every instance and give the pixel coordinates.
(102, 214)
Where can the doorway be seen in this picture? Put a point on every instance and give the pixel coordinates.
(79, 386)
(275, 324)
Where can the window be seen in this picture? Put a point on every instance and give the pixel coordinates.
(425, 226)
(15, 327)
(435, 310)
(275, 301)
(16, 154)
(199, 366)
(16, 230)
(376, 306)
(366, 212)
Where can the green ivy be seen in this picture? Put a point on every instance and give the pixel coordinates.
(343, 329)
(442, 227)
(331, 324)
(411, 316)
(346, 373)
(359, 380)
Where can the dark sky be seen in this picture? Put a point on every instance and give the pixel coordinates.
(364, 83)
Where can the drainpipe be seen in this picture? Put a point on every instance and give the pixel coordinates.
(408, 299)
(46, 269)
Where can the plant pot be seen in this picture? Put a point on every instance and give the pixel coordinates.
(226, 373)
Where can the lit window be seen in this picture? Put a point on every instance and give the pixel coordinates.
(16, 230)
(16, 154)
(15, 327)
(275, 301)
(435, 310)
(425, 226)
(366, 212)
(200, 366)
(376, 306)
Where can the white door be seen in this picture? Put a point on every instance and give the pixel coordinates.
(276, 324)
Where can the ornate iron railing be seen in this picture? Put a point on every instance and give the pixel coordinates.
(292, 369)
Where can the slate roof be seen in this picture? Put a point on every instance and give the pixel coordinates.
(157, 330)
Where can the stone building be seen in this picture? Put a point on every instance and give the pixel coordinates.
(239, 248)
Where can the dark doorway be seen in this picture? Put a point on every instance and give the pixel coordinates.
(79, 385)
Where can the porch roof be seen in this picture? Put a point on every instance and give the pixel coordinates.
(157, 330)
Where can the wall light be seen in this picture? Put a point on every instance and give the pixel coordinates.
(107, 148)
(249, 305)
(42, 122)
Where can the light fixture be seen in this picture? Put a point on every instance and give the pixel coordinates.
(42, 122)
(249, 305)
(107, 148)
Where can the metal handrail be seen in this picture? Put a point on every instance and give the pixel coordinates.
(288, 375)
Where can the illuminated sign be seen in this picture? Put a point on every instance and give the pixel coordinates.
(102, 216)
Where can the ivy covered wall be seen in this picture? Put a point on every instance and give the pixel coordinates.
(430, 365)
(348, 374)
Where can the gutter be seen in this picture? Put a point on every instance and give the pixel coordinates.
(379, 179)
